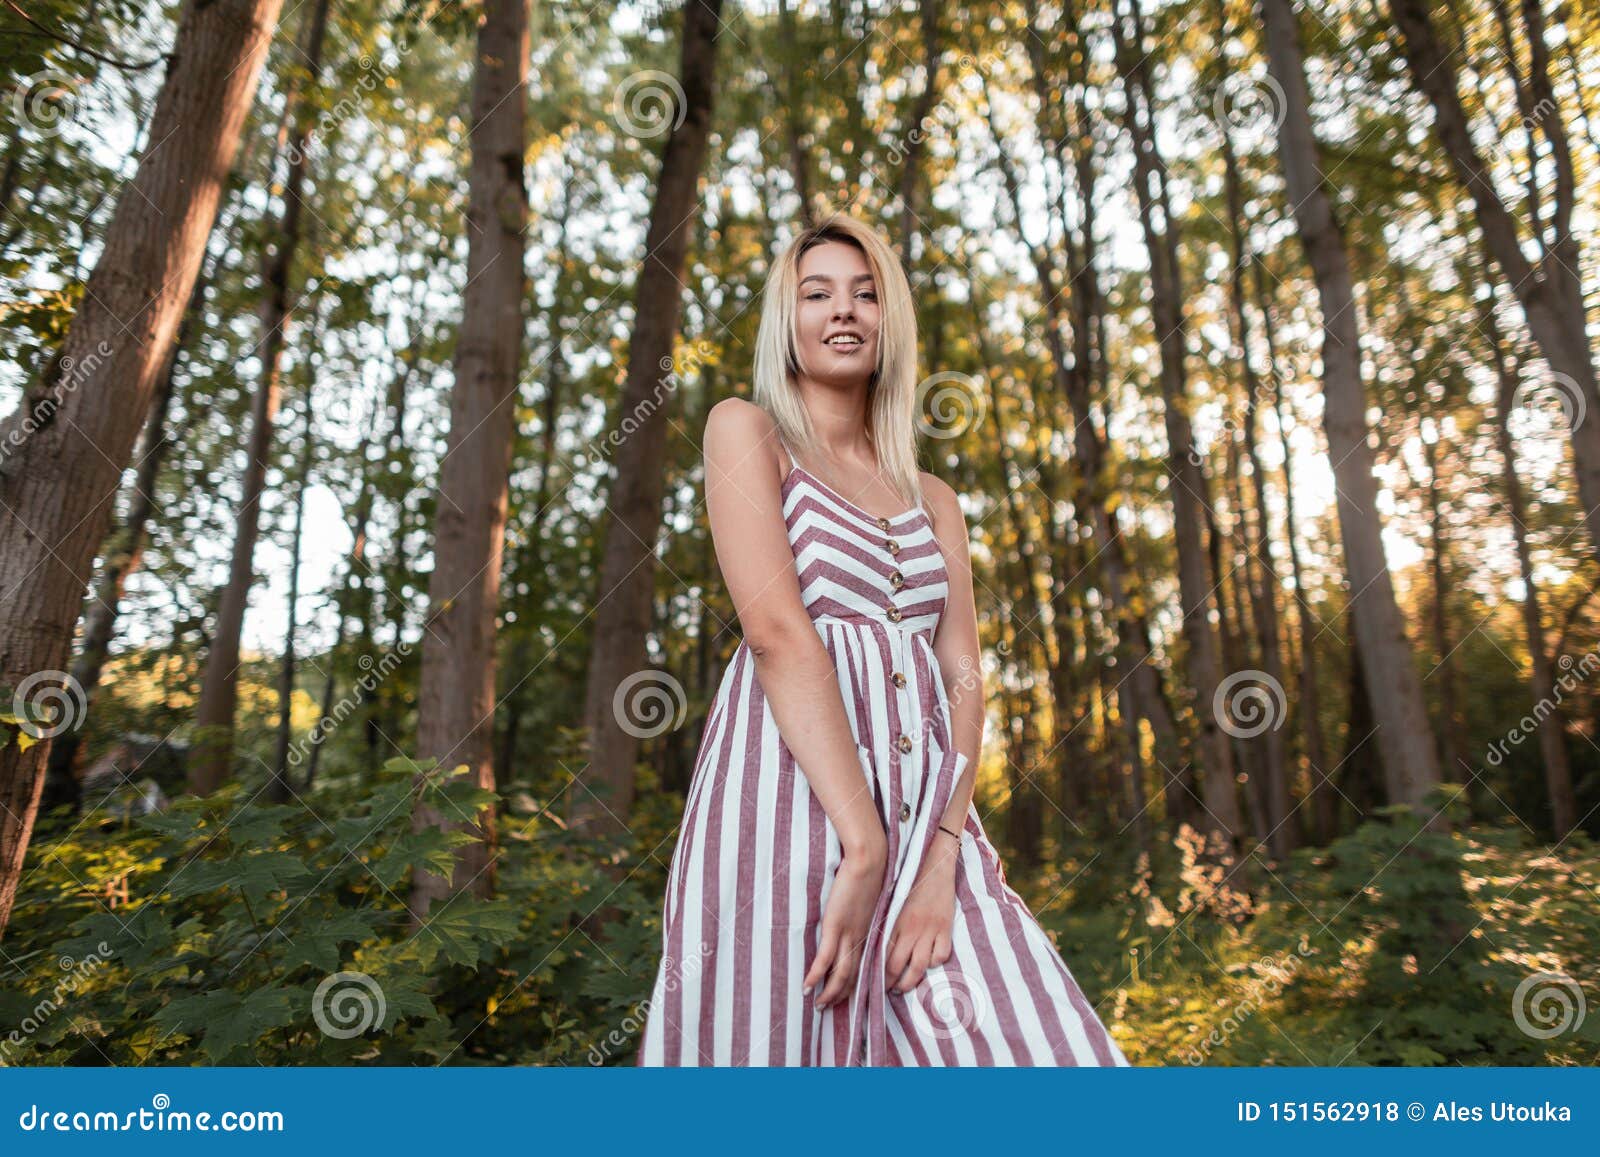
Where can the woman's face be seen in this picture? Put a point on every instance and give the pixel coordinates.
(838, 302)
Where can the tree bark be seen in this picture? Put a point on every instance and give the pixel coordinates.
(456, 695)
(1409, 761)
(65, 449)
(1548, 289)
(1541, 681)
(211, 757)
(602, 800)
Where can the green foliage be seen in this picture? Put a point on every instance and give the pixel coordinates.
(1393, 946)
(227, 931)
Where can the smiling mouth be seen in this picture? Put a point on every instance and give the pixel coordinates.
(845, 344)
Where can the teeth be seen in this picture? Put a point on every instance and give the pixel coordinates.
(844, 341)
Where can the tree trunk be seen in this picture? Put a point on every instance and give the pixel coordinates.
(279, 789)
(1410, 765)
(456, 696)
(603, 798)
(1187, 483)
(72, 437)
(1549, 290)
(211, 757)
(1284, 835)
(1319, 792)
(1541, 683)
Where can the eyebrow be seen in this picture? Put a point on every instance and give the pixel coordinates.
(822, 277)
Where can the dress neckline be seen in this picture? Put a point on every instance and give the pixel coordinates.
(796, 468)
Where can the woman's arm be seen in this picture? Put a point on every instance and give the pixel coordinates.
(796, 673)
(955, 645)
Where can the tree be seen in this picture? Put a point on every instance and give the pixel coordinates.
(1394, 692)
(456, 699)
(63, 452)
(211, 758)
(627, 573)
(1548, 289)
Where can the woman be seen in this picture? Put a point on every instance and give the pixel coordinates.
(833, 899)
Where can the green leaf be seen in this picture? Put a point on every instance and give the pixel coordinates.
(461, 928)
(431, 848)
(227, 1021)
(256, 875)
(318, 945)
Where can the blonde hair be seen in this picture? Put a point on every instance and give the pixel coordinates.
(891, 391)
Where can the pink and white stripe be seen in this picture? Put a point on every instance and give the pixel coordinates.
(756, 854)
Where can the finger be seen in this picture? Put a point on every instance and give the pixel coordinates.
(899, 954)
(823, 959)
(919, 963)
(941, 948)
(839, 979)
(900, 969)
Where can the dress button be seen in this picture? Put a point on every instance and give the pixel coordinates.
(905, 812)
(905, 743)
(897, 580)
(899, 679)
(883, 524)
(894, 614)
(894, 547)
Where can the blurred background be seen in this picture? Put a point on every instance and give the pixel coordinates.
(359, 615)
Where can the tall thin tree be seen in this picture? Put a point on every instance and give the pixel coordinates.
(63, 453)
(455, 700)
(1394, 690)
(603, 798)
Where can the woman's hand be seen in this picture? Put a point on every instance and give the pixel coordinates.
(857, 884)
(921, 936)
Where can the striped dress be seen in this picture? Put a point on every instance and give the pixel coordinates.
(756, 854)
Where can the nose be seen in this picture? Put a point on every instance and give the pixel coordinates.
(848, 309)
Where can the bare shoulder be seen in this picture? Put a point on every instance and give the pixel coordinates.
(739, 426)
(740, 443)
(740, 435)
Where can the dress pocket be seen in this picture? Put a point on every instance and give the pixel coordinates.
(947, 767)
